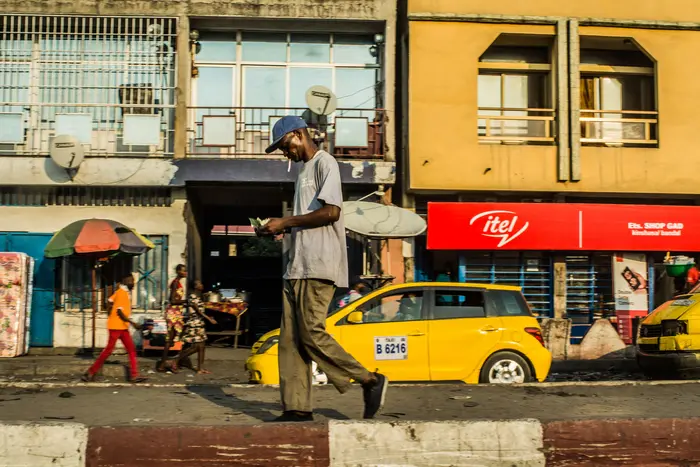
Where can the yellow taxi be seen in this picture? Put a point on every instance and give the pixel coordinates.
(431, 331)
(668, 343)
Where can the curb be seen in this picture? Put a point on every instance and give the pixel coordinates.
(522, 443)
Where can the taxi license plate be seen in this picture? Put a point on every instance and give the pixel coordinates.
(391, 348)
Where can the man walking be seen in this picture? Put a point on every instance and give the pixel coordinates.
(316, 263)
(118, 326)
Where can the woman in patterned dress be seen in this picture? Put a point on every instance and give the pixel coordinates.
(174, 316)
(195, 335)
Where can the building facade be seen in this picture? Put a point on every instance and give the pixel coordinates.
(518, 115)
(172, 103)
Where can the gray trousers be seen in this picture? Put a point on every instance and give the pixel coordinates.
(303, 339)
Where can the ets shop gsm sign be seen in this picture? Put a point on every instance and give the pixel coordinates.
(558, 226)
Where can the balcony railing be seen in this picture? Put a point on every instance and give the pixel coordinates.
(516, 125)
(245, 132)
(131, 130)
(619, 127)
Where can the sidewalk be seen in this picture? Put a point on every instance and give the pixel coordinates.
(226, 365)
(421, 425)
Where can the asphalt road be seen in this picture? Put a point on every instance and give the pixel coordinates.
(215, 405)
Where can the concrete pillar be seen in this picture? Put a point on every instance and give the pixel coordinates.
(559, 287)
(562, 101)
(182, 92)
(575, 99)
(409, 252)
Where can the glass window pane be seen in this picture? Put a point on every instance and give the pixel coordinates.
(264, 47)
(450, 305)
(353, 49)
(355, 88)
(301, 79)
(264, 87)
(215, 88)
(217, 48)
(405, 306)
(310, 48)
(489, 91)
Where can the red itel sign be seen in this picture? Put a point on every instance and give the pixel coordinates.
(520, 226)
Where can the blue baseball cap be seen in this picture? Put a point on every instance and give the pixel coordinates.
(284, 125)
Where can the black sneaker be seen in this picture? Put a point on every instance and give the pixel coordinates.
(373, 395)
(295, 416)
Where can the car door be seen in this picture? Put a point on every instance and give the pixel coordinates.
(393, 336)
(460, 333)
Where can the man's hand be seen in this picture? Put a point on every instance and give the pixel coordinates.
(274, 226)
(136, 326)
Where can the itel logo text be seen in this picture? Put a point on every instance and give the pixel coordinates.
(500, 224)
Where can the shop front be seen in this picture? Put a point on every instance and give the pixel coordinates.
(577, 261)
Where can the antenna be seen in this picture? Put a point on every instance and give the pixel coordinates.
(321, 100)
(154, 31)
(67, 152)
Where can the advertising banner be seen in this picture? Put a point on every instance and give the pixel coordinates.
(630, 282)
(559, 226)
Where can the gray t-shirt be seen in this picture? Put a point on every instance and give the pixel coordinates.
(319, 253)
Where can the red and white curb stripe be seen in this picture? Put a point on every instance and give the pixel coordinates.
(648, 442)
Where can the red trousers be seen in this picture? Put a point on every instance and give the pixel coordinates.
(125, 337)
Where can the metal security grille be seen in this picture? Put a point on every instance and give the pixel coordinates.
(81, 76)
(150, 270)
(85, 196)
(532, 272)
(589, 293)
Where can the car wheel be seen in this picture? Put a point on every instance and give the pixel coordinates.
(505, 368)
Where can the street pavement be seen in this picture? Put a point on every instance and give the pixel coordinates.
(201, 404)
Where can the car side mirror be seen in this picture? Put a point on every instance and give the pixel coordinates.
(355, 317)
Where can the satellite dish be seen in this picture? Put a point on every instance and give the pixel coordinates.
(382, 221)
(321, 100)
(66, 151)
(154, 30)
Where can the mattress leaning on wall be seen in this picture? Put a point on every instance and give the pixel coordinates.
(15, 303)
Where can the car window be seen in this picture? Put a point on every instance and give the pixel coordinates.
(450, 304)
(399, 306)
(509, 303)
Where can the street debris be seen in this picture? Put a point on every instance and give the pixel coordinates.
(66, 395)
(471, 404)
(58, 417)
(460, 398)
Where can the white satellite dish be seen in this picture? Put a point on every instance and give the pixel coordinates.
(66, 151)
(382, 221)
(321, 100)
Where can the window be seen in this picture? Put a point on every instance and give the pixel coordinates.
(150, 269)
(618, 106)
(509, 303)
(514, 98)
(269, 76)
(400, 306)
(451, 304)
(57, 66)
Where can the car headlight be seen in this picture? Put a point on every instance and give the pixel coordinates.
(268, 344)
(672, 327)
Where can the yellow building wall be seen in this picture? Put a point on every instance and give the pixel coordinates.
(443, 68)
(648, 10)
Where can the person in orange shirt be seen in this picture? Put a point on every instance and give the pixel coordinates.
(118, 326)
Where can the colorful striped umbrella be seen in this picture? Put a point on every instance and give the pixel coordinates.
(96, 236)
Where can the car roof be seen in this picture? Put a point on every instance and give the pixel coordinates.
(460, 285)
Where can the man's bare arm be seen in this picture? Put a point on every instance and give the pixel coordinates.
(323, 216)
